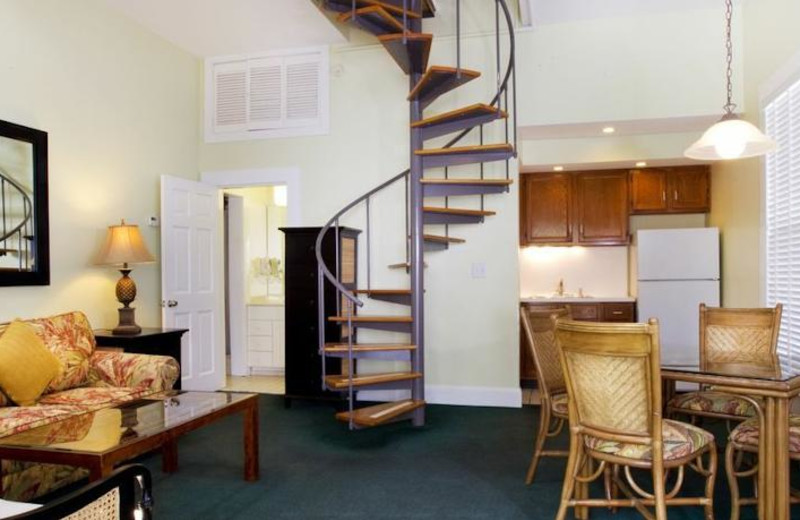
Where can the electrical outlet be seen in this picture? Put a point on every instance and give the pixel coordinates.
(479, 270)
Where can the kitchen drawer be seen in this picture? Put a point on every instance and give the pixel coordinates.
(618, 312)
(259, 328)
(265, 312)
(260, 359)
(585, 311)
(260, 343)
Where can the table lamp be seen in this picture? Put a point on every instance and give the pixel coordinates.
(124, 245)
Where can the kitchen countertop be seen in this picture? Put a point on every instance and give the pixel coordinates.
(575, 299)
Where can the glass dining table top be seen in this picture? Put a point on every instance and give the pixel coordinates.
(742, 370)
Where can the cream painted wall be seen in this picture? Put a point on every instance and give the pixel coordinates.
(770, 39)
(120, 107)
(597, 271)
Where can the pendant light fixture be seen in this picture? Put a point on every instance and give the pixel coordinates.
(731, 137)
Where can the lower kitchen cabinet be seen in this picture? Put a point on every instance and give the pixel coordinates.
(623, 312)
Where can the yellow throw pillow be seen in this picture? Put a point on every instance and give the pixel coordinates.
(26, 364)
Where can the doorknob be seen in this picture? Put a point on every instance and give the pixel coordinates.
(169, 303)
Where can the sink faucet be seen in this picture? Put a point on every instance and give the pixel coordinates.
(560, 290)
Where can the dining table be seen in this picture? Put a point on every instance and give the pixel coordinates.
(772, 390)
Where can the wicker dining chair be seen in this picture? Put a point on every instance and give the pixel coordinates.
(538, 326)
(745, 438)
(741, 336)
(613, 378)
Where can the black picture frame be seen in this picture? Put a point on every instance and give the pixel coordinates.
(36, 237)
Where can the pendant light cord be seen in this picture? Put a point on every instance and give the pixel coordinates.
(730, 106)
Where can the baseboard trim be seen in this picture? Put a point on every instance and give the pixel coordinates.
(453, 395)
(474, 396)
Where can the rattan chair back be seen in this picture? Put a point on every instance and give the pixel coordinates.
(742, 336)
(613, 377)
(539, 328)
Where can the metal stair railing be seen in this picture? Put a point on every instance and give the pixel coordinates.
(10, 188)
(500, 100)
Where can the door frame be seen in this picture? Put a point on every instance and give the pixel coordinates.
(290, 177)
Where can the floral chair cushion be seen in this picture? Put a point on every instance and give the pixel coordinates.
(15, 419)
(713, 402)
(680, 440)
(747, 433)
(559, 403)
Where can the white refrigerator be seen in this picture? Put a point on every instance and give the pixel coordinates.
(677, 270)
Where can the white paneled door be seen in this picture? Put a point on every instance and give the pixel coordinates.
(191, 278)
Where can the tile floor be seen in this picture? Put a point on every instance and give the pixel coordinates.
(258, 384)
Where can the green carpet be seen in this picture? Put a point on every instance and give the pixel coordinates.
(466, 463)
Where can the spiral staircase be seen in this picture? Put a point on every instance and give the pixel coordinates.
(397, 24)
(16, 224)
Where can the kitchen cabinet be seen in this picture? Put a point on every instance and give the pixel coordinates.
(546, 208)
(679, 189)
(583, 208)
(623, 312)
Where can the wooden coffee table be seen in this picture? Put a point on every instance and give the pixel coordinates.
(101, 439)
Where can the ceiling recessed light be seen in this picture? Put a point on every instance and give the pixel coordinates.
(558, 168)
(641, 164)
(609, 130)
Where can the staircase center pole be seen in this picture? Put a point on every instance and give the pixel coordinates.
(417, 247)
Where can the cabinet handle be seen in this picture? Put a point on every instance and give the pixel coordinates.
(664, 196)
(581, 229)
(675, 195)
(616, 313)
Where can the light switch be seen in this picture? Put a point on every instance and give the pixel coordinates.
(153, 222)
(479, 270)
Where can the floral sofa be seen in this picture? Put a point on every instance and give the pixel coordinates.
(89, 380)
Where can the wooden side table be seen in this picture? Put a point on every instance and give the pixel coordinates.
(157, 341)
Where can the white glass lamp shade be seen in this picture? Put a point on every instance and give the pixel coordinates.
(730, 138)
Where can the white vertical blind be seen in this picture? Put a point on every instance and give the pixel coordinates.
(782, 122)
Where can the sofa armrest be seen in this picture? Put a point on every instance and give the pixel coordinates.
(121, 369)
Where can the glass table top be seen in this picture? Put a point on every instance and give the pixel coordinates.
(109, 428)
(743, 370)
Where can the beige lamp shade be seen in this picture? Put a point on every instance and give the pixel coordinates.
(124, 245)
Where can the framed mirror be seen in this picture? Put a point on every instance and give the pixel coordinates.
(24, 234)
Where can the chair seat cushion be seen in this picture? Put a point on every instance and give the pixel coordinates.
(91, 398)
(713, 402)
(559, 403)
(747, 433)
(680, 440)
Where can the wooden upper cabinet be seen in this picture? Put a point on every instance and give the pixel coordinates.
(546, 208)
(602, 207)
(649, 191)
(680, 189)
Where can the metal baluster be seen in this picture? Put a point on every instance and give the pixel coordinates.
(408, 224)
(338, 267)
(483, 173)
(497, 43)
(321, 319)
(405, 22)
(3, 200)
(369, 260)
(350, 366)
(458, 39)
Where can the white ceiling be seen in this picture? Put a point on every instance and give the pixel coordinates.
(220, 27)
(559, 11)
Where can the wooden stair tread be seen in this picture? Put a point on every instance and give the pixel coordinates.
(372, 319)
(444, 78)
(443, 239)
(383, 291)
(376, 12)
(458, 211)
(475, 182)
(380, 413)
(453, 150)
(461, 113)
(389, 7)
(409, 50)
(369, 347)
(343, 381)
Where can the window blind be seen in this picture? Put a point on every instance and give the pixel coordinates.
(782, 123)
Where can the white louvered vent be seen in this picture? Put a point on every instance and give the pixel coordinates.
(782, 122)
(275, 95)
